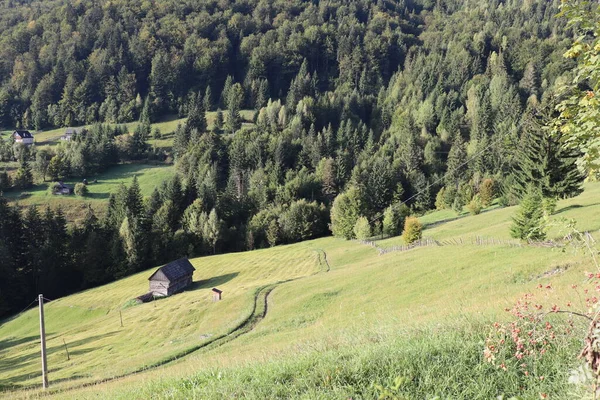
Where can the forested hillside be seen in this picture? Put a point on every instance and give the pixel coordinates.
(368, 102)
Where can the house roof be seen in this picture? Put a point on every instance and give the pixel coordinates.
(65, 186)
(175, 270)
(23, 134)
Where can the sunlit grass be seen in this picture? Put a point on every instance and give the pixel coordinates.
(421, 313)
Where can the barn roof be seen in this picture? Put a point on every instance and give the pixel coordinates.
(23, 134)
(176, 269)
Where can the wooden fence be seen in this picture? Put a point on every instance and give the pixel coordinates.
(477, 241)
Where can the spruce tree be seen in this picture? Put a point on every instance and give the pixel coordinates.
(545, 163)
(146, 116)
(528, 222)
(218, 125)
(456, 157)
(196, 118)
(207, 102)
(23, 178)
(234, 103)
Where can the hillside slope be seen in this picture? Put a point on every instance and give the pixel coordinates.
(398, 301)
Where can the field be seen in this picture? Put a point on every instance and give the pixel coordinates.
(321, 319)
(149, 177)
(167, 125)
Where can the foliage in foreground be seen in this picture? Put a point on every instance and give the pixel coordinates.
(446, 363)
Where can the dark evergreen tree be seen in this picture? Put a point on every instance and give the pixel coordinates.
(545, 163)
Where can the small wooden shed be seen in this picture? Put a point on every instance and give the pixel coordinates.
(216, 294)
(171, 278)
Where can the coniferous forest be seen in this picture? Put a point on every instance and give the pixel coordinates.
(359, 106)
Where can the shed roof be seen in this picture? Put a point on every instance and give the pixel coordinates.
(23, 134)
(176, 269)
(217, 290)
(65, 186)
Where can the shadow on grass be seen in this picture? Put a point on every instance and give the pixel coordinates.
(212, 282)
(10, 363)
(10, 342)
(573, 207)
(98, 196)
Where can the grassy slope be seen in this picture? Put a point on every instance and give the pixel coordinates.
(329, 320)
(100, 348)
(149, 177)
(166, 126)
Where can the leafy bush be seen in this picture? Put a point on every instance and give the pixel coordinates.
(345, 213)
(53, 188)
(458, 204)
(81, 189)
(475, 205)
(413, 230)
(362, 229)
(393, 219)
(487, 192)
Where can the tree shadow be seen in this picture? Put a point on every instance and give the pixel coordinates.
(212, 282)
(573, 207)
(12, 341)
(10, 363)
(98, 195)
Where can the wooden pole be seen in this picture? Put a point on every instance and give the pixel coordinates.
(121, 316)
(67, 350)
(43, 343)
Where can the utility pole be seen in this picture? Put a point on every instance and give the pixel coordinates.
(43, 343)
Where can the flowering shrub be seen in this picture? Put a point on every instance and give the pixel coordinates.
(536, 328)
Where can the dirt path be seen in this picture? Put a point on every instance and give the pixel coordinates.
(259, 311)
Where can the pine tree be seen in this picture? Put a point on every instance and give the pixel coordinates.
(528, 222)
(146, 116)
(212, 230)
(234, 102)
(455, 172)
(134, 202)
(545, 163)
(196, 119)
(218, 126)
(181, 140)
(207, 101)
(23, 178)
(393, 219)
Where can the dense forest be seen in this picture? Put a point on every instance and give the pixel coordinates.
(359, 105)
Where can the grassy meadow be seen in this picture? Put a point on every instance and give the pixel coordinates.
(349, 320)
(149, 176)
(167, 125)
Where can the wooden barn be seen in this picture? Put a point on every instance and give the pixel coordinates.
(171, 278)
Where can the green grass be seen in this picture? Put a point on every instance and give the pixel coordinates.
(421, 314)
(149, 177)
(167, 125)
(495, 222)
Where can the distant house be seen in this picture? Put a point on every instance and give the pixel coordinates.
(172, 278)
(24, 137)
(62, 189)
(69, 132)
